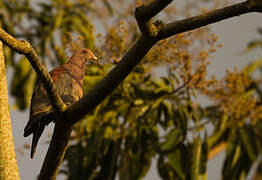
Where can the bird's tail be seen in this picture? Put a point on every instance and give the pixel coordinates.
(36, 126)
(36, 135)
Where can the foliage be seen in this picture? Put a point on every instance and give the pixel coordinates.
(155, 113)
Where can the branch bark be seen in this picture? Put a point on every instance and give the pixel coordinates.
(204, 19)
(143, 14)
(78, 110)
(110, 82)
(23, 47)
(56, 152)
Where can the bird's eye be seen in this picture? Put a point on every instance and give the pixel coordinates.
(84, 51)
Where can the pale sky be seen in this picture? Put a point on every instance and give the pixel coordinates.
(234, 33)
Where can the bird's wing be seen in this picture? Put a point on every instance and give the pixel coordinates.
(40, 105)
(70, 90)
(68, 86)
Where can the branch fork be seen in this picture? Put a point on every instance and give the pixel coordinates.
(143, 15)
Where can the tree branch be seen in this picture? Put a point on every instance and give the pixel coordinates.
(202, 20)
(144, 13)
(56, 152)
(78, 110)
(110, 82)
(23, 47)
(142, 46)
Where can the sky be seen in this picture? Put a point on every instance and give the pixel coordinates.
(233, 33)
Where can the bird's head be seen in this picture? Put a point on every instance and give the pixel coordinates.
(85, 55)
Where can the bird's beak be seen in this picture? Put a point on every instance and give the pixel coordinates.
(93, 59)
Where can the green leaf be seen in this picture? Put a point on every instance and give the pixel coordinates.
(176, 159)
(249, 69)
(204, 157)
(181, 118)
(194, 159)
(165, 114)
(136, 157)
(172, 139)
(109, 162)
(164, 169)
(59, 18)
(249, 141)
(219, 133)
(138, 102)
(233, 153)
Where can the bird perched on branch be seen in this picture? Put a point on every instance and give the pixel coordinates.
(68, 79)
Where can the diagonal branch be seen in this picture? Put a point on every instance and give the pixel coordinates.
(23, 47)
(78, 110)
(144, 13)
(110, 82)
(205, 19)
(139, 50)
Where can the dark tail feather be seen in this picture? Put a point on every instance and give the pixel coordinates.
(44, 118)
(36, 135)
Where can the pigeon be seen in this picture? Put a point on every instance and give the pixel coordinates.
(68, 80)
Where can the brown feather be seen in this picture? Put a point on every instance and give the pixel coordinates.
(68, 79)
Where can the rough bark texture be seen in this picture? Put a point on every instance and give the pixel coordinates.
(23, 47)
(8, 164)
(55, 155)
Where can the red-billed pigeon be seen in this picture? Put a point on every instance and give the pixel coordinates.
(68, 79)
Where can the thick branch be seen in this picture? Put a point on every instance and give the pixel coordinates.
(142, 46)
(55, 155)
(110, 82)
(25, 48)
(202, 20)
(255, 4)
(57, 148)
(144, 13)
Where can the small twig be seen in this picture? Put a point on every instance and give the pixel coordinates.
(141, 47)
